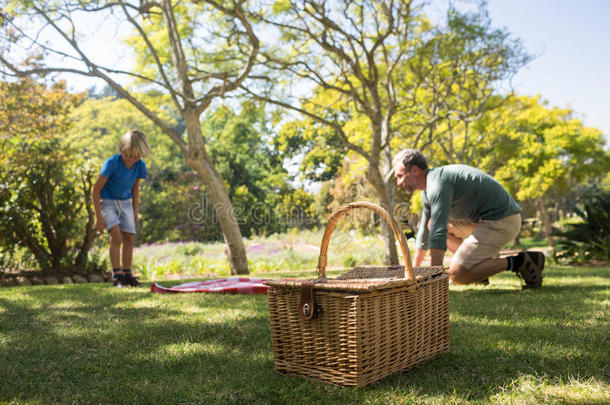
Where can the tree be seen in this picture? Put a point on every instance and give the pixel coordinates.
(536, 151)
(45, 190)
(242, 148)
(382, 78)
(190, 59)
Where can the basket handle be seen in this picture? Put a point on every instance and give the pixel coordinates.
(334, 219)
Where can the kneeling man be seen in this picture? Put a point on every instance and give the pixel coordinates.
(469, 213)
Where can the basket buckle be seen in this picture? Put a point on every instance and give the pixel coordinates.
(307, 308)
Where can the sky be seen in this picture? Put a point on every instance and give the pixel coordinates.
(570, 40)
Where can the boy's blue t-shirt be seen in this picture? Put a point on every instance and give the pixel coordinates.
(120, 178)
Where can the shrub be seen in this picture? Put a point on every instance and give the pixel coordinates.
(588, 237)
(45, 191)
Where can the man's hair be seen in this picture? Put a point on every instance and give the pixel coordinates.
(410, 158)
(135, 141)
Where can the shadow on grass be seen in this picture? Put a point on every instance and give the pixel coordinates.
(499, 336)
(115, 347)
(95, 344)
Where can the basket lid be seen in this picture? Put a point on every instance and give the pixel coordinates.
(364, 278)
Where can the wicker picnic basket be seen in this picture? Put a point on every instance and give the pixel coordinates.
(360, 327)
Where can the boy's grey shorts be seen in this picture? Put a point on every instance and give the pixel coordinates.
(119, 212)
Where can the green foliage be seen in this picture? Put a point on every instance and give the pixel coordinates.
(241, 147)
(45, 203)
(587, 237)
(449, 81)
(176, 208)
(99, 123)
(210, 40)
(534, 150)
(320, 146)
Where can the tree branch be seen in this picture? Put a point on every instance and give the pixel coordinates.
(322, 120)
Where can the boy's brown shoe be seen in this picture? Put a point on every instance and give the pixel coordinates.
(119, 280)
(130, 280)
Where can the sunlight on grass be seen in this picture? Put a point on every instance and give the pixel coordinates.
(187, 348)
(533, 389)
(507, 346)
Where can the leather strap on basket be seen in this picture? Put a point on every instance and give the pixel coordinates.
(306, 305)
(334, 219)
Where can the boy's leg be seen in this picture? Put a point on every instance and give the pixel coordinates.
(110, 213)
(128, 230)
(116, 239)
(128, 242)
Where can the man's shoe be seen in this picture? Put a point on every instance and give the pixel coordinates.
(531, 269)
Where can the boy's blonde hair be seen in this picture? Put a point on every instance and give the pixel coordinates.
(135, 141)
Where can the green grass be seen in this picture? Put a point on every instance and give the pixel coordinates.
(95, 344)
(532, 242)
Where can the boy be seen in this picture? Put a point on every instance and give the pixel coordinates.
(115, 200)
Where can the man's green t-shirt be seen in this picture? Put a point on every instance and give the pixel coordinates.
(459, 192)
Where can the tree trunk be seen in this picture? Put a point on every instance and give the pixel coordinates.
(195, 153)
(386, 200)
(198, 159)
(546, 221)
(81, 260)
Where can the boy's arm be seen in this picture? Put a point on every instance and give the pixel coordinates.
(96, 195)
(135, 197)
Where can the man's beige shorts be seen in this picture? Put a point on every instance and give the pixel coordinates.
(482, 240)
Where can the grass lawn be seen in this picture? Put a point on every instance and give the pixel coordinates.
(94, 344)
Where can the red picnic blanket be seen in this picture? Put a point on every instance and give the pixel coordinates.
(231, 285)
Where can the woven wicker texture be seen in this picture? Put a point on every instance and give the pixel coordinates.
(368, 272)
(374, 321)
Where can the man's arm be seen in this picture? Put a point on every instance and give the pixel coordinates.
(436, 257)
(420, 255)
